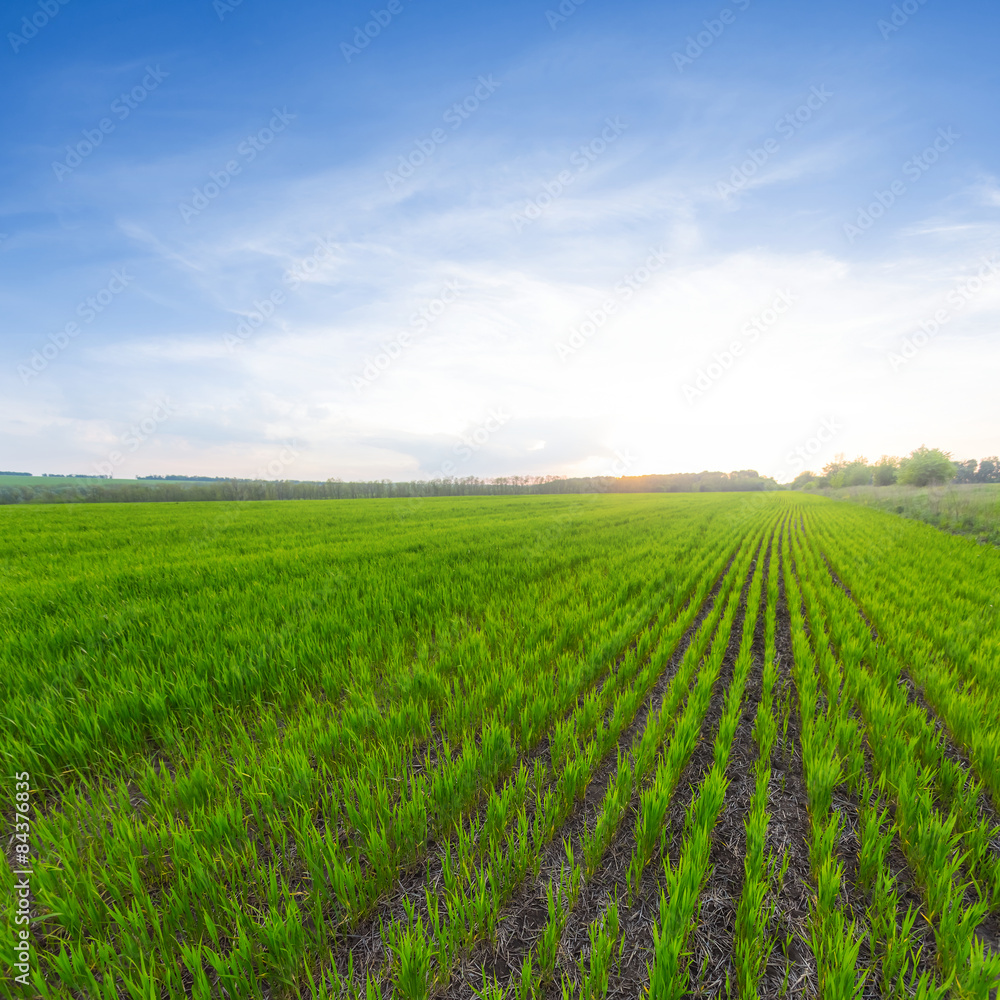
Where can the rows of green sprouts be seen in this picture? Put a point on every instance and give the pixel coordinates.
(371, 749)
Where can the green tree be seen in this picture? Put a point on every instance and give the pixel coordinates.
(833, 472)
(966, 471)
(840, 472)
(858, 473)
(989, 470)
(885, 471)
(926, 467)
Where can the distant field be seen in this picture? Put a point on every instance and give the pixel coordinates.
(532, 747)
(969, 509)
(77, 481)
(54, 480)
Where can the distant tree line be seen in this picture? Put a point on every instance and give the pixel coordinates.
(677, 482)
(187, 479)
(987, 471)
(149, 489)
(922, 467)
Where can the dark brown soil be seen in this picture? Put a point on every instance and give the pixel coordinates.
(712, 938)
(609, 882)
(909, 894)
(526, 916)
(845, 804)
(989, 930)
(792, 965)
(906, 888)
(364, 944)
(637, 920)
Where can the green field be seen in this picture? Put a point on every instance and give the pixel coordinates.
(93, 489)
(73, 481)
(573, 746)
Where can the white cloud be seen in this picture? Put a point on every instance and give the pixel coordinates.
(522, 293)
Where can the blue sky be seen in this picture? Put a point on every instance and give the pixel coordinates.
(310, 240)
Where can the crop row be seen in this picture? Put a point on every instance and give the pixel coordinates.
(340, 751)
